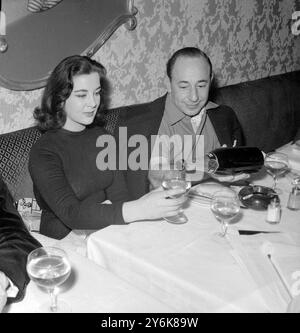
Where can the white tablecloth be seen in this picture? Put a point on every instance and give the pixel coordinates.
(90, 288)
(178, 264)
(185, 267)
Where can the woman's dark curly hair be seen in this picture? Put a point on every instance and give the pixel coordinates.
(51, 114)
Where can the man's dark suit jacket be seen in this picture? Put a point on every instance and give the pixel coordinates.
(297, 136)
(145, 119)
(15, 243)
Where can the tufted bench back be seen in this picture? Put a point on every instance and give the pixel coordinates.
(14, 154)
(268, 108)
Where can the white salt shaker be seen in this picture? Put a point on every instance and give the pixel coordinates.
(274, 211)
(294, 197)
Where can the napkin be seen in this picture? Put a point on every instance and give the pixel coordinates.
(249, 253)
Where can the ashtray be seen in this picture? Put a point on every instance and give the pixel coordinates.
(256, 196)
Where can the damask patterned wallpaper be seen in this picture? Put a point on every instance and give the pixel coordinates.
(246, 40)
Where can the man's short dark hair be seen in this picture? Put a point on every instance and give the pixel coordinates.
(190, 52)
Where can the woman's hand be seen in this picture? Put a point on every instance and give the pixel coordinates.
(154, 205)
(155, 178)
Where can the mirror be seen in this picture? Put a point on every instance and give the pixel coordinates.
(37, 42)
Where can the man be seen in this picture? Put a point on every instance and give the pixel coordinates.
(297, 137)
(15, 244)
(188, 112)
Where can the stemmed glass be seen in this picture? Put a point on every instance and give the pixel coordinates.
(176, 179)
(49, 267)
(276, 164)
(225, 205)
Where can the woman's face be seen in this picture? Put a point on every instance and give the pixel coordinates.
(83, 103)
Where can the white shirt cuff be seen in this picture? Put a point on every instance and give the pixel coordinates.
(12, 290)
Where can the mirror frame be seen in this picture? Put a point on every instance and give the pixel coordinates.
(128, 19)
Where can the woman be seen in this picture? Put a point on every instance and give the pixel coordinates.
(68, 185)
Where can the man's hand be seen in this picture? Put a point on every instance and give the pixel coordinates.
(231, 178)
(3, 286)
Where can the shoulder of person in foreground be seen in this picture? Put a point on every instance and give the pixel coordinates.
(3, 287)
(15, 243)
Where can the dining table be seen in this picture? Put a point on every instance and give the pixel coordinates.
(89, 289)
(189, 268)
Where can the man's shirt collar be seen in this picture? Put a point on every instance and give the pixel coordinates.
(173, 115)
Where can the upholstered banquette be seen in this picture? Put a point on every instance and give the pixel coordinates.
(268, 110)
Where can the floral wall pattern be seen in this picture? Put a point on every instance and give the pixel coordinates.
(246, 40)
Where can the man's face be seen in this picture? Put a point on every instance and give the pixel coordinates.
(190, 83)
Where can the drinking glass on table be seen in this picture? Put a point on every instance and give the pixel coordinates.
(49, 267)
(225, 205)
(176, 179)
(276, 164)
